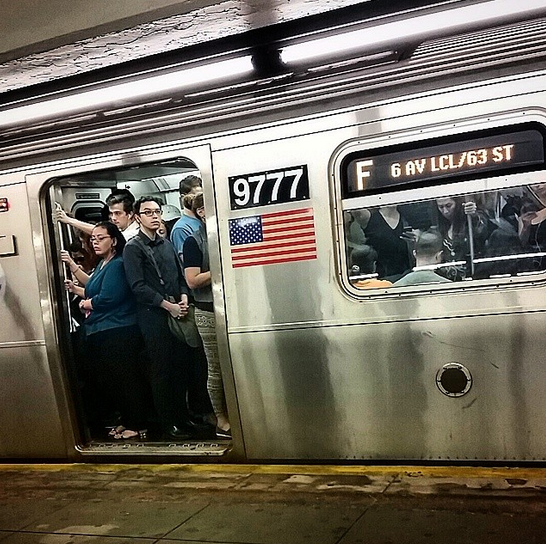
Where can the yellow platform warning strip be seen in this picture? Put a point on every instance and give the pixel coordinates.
(410, 470)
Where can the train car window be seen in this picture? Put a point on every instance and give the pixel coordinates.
(448, 239)
(92, 212)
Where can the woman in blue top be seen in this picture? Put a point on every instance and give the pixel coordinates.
(111, 332)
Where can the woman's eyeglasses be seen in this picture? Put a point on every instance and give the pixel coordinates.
(99, 238)
(149, 213)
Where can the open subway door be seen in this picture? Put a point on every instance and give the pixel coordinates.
(82, 191)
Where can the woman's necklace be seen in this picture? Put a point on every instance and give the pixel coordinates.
(107, 260)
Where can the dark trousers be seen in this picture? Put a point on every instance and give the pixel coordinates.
(167, 360)
(198, 396)
(114, 370)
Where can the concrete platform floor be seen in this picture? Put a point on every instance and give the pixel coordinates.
(270, 504)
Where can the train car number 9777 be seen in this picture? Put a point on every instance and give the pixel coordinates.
(272, 187)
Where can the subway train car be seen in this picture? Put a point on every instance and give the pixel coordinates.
(374, 224)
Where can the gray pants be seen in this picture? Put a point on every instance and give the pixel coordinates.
(206, 324)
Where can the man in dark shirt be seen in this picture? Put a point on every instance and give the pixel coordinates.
(159, 292)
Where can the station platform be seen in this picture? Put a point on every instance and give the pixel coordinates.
(270, 504)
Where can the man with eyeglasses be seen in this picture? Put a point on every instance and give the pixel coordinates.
(157, 280)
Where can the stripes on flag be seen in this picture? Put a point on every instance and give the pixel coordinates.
(273, 238)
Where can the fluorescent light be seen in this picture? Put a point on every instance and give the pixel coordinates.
(417, 26)
(123, 93)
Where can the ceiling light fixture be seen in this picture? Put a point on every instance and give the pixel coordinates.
(417, 27)
(124, 93)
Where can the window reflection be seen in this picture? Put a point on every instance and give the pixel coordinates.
(448, 239)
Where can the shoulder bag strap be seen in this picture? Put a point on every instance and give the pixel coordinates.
(150, 254)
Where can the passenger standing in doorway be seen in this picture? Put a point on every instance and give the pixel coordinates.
(199, 400)
(120, 210)
(197, 271)
(112, 337)
(189, 222)
(157, 280)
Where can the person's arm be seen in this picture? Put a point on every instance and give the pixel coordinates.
(193, 262)
(176, 310)
(133, 261)
(75, 268)
(196, 278)
(480, 222)
(73, 288)
(362, 217)
(60, 215)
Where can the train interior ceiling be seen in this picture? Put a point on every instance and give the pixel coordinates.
(84, 197)
(158, 179)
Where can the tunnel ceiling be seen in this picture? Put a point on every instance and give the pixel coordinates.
(205, 23)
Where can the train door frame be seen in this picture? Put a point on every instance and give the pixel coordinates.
(39, 183)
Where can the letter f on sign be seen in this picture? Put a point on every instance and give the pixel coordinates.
(363, 171)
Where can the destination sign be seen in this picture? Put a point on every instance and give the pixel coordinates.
(520, 149)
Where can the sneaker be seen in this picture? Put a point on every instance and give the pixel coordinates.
(220, 433)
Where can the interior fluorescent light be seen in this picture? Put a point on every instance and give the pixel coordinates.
(119, 92)
(417, 26)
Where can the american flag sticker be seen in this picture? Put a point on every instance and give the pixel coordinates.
(273, 238)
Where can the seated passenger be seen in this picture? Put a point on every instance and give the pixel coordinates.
(385, 231)
(427, 252)
(363, 263)
(354, 239)
(532, 224)
(354, 233)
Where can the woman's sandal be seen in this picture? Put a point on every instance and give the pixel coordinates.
(127, 434)
(115, 431)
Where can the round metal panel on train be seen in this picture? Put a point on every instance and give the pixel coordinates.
(454, 380)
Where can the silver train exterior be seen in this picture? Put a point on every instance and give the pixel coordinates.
(314, 368)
